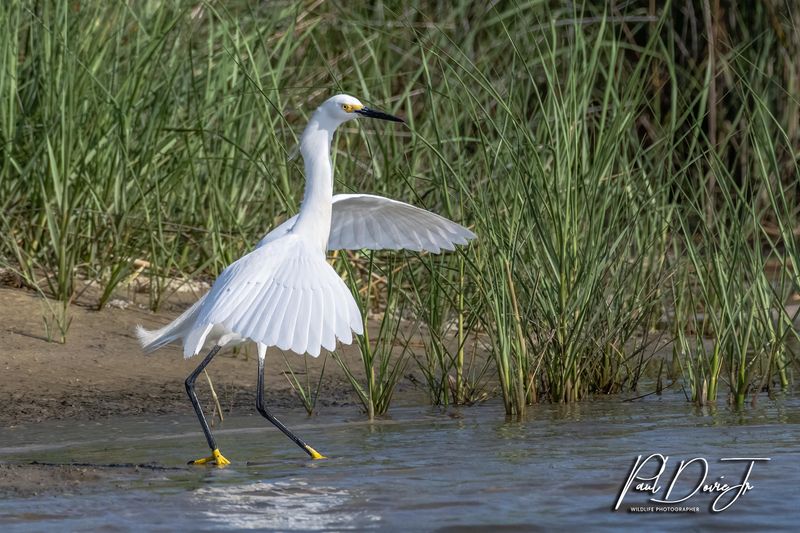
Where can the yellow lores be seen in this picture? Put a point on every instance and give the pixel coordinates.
(352, 108)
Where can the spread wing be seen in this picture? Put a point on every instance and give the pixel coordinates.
(282, 294)
(365, 221)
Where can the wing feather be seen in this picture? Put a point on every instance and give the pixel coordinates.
(267, 331)
(365, 221)
(329, 338)
(279, 295)
(286, 328)
(412, 239)
(285, 294)
(355, 324)
(300, 336)
(316, 312)
(261, 320)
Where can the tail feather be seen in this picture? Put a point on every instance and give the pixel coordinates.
(152, 340)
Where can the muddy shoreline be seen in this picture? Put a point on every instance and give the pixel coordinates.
(49, 479)
(101, 372)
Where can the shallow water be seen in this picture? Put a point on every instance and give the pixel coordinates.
(420, 470)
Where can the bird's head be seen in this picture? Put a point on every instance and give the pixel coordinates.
(343, 107)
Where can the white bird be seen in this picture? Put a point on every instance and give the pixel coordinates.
(284, 293)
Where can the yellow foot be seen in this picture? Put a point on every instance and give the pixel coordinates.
(215, 458)
(314, 453)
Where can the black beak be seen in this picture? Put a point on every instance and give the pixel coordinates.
(371, 113)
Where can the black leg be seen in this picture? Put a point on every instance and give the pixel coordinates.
(215, 455)
(314, 454)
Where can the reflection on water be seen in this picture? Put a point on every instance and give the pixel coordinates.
(420, 470)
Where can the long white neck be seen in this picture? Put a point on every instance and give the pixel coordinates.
(314, 219)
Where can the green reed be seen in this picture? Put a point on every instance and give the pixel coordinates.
(384, 353)
(629, 185)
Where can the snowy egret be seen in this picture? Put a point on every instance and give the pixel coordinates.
(284, 293)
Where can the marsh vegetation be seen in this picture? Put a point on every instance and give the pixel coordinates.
(631, 174)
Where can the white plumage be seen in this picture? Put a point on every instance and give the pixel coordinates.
(284, 293)
(369, 222)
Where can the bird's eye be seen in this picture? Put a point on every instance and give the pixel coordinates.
(346, 107)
